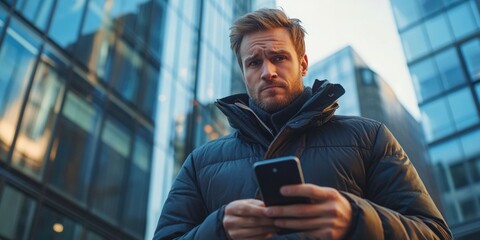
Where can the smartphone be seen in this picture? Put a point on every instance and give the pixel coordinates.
(273, 174)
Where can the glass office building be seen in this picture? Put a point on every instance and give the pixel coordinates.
(101, 100)
(368, 95)
(441, 42)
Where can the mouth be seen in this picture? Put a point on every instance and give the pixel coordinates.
(271, 87)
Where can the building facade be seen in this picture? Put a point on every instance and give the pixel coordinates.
(101, 101)
(368, 95)
(441, 42)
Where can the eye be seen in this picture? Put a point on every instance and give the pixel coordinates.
(253, 63)
(279, 58)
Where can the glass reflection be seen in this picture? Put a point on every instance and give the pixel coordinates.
(125, 70)
(447, 152)
(462, 107)
(426, 80)
(157, 28)
(437, 121)
(17, 60)
(147, 100)
(107, 190)
(66, 22)
(414, 42)
(73, 148)
(439, 32)
(135, 209)
(406, 12)
(449, 68)
(471, 55)
(96, 41)
(470, 144)
(36, 11)
(37, 123)
(430, 6)
(54, 225)
(16, 214)
(3, 16)
(462, 20)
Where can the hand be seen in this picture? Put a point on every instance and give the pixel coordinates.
(328, 217)
(246, 219)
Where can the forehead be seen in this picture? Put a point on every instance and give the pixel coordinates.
(277, 39)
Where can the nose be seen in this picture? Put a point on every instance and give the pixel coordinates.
(269, 71)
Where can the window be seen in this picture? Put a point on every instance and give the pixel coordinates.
(163, 118)
(66, 22)
(471, 55)
(111, 166)
(426, 79)
(74, 145)
(462, 20)
(474, 167)
(136, 199)
(450, 69)
(187, 54)
(17, 60)
(171, 33)
(3, 16)
(406, 12)
(96, 41)
(148, 98)
(37, 12)
(37, 123)
(157, 27)
(180, 120)
(463, 110)
(125, 71)
(132, 17)
(16, 213)
(414, 42)
(54, 225)
(442, 177)
(450, 151)
(430, 6)
(459, 176)
(470, 144)
(469, 209)
(438, 31)
(368, 76)
(477, 88)
(437, 121)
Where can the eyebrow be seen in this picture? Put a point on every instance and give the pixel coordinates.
(269, 52)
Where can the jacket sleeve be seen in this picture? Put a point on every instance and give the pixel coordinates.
(184, 214)
(396, 204)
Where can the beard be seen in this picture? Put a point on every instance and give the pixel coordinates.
(293, 92)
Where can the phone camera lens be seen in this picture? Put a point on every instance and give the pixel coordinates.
(274, 170)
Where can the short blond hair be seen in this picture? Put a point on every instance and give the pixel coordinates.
(266, 19)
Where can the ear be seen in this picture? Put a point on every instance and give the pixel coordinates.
(304, 64)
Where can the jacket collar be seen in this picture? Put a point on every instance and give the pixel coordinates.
(316, 111)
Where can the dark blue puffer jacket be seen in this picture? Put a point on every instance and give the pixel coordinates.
(357, 156)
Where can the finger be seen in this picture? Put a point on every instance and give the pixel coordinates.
(311, 191)
(309, 223)
(232, 221)
(260, 237)
(324, 209)
(251, 207)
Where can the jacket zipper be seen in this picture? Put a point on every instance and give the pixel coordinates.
(243, 106)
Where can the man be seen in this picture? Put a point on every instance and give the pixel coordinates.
(360, 181)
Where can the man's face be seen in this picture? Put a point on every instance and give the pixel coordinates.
(272, 69)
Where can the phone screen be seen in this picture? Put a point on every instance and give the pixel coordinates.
(273, 174)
